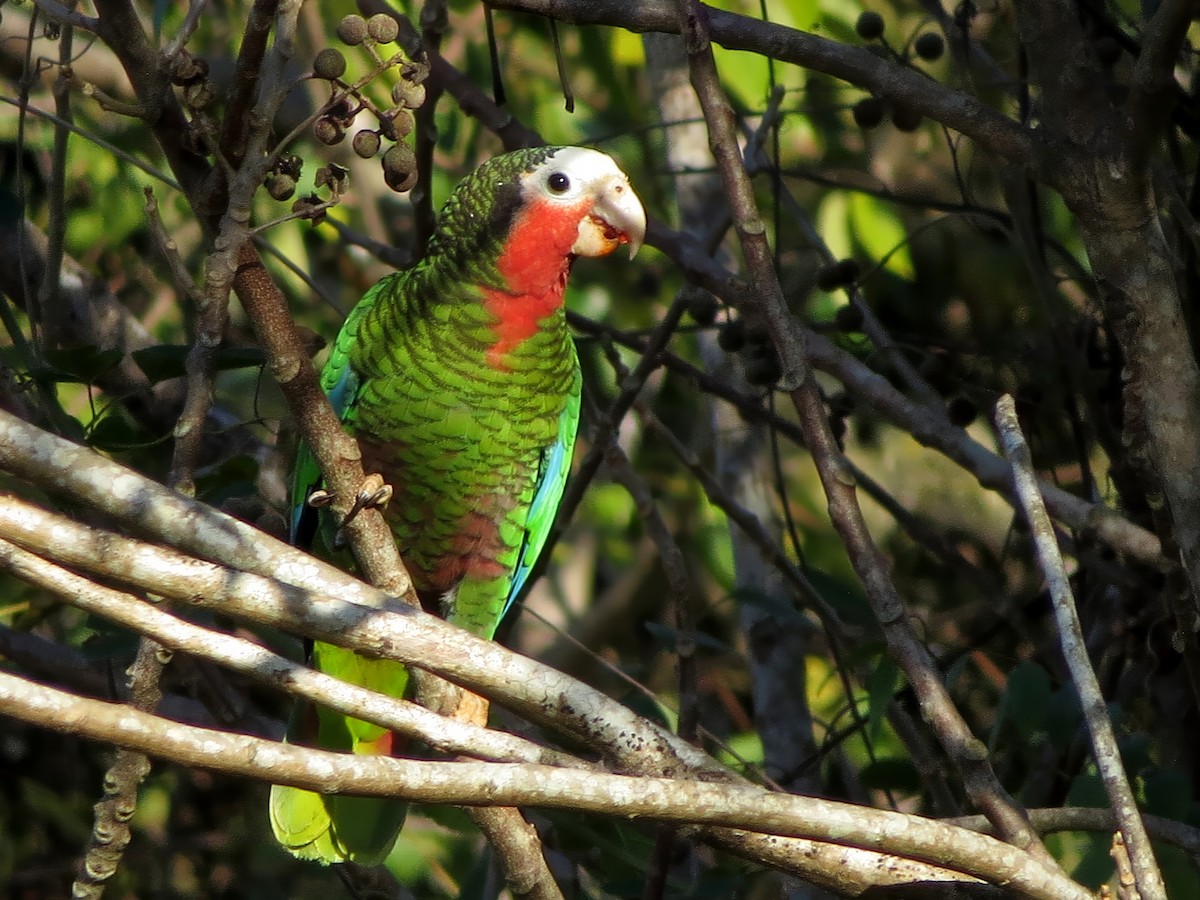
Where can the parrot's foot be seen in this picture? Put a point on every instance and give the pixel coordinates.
(472, 709)
(452, 701)
(373, 494)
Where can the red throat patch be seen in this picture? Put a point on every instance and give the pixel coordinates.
(534, 264)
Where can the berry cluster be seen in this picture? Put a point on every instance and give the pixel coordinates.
(870, 111)
(190, 74)
(393, 123)
(752, 340)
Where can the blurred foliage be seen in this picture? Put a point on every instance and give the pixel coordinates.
(929, 226)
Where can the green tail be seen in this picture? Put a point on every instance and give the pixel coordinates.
(334, 828)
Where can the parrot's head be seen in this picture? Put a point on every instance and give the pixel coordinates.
(587, 191)
(518, 221)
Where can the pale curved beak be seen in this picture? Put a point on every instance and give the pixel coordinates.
(616, 218)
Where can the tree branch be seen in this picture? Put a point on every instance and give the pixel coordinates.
(464, 783)
(1070, 634)
(966, 752)
(442, 734)
(856, 65)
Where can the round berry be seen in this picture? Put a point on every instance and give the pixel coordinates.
(280, 186)
(763, 369)
(199, 94)
(869, 25)
(352, 30)
(961, 411)
(868, 112)
(328, 131)
(408, 93)
(382, 28)
(905, 118)
(397, 125)
(329, 64)
(930, 46)
(188, 69)
(400, 168)
(758, 335)
(702, 307)
(732, 336)
(366, 144)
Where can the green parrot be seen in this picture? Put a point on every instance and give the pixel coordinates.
(460, 381)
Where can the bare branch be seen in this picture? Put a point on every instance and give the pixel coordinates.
(463, 783)
(856, 65)
(179, 635)
(1070, 634)
(65, 15)
(965, 751)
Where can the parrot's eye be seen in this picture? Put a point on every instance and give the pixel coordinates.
(559, 183)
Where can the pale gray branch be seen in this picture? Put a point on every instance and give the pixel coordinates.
(252, 660)
(508, 784)
(1070, 634)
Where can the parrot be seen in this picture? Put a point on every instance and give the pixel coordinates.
(459, 379)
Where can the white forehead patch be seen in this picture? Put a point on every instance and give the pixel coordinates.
(572, 172)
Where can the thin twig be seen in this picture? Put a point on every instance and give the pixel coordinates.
(50, 301)
(65, 15)
(1070, 634)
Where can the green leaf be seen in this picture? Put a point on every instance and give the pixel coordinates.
(843, 595)
(234, 477)
(648, 708)
(627, 49)
(166, 361)
(109, 641)
(52, 804)
(896, 774)
(669, 638)
(240, 357)
(114, 432)
(1028, 701)
(884, 682)
(1168, 793)
(881, 233)
(833, 224)
(1064, 717)
(82, 365)
(162, 362)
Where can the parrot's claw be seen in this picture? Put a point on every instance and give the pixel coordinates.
(374, 494)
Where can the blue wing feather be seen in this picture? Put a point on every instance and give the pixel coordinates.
(553, 469)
